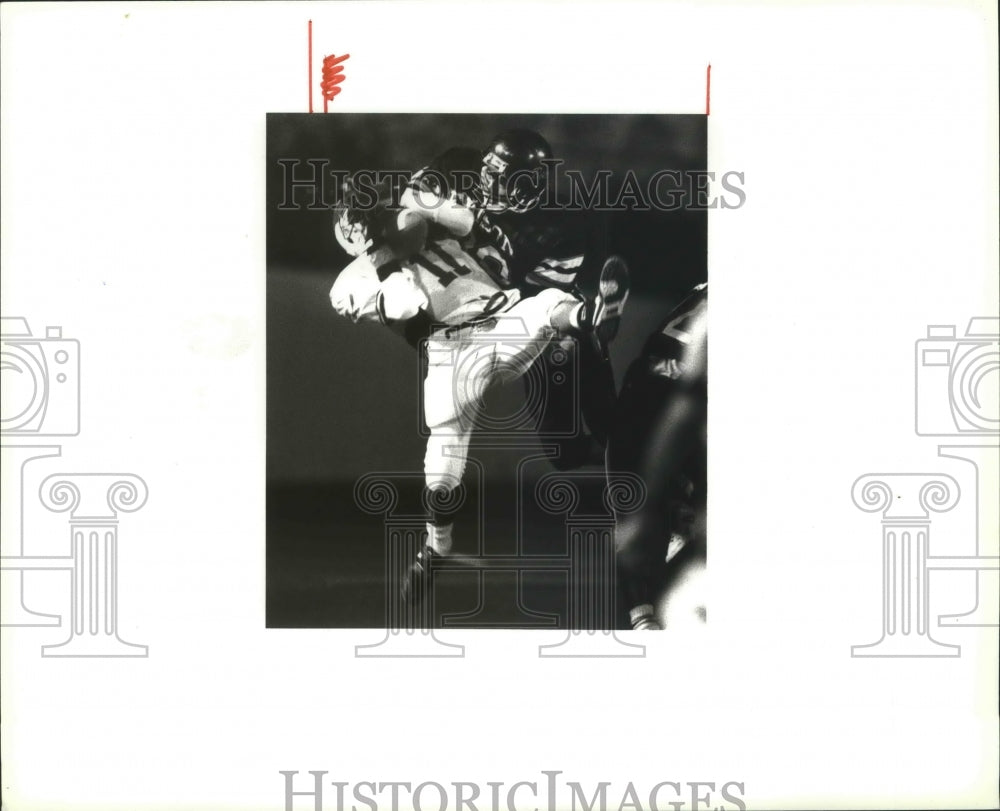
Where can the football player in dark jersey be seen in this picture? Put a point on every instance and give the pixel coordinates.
(491, 200)
(659, 435)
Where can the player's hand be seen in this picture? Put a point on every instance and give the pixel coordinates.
(457, 219)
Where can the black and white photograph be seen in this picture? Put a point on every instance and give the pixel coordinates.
(487, 369)
(359, 413)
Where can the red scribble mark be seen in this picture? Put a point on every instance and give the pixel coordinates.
(310, 66)
(708, 90)
(333, 75)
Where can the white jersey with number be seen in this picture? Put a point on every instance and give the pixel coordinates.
(453, 289)
(456, 286)
(442, 279)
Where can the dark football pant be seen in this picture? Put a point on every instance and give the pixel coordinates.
(579, 382)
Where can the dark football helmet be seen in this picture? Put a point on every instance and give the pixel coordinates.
(513, 175)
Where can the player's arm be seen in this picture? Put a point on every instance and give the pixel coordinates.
(441, 192)
(402, 307)
(563, 249)
(555, 271)
(400, 302)
(392, 299)
(448, 212)
(399, 297)
(401, 234)
(377, 287)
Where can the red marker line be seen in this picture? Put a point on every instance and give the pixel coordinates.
(310, 66)
(708, 90)
(333, 75)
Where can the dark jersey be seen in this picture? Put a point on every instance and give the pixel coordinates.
(678, 350)
(659, 435)
(538, 248)
(662, 405)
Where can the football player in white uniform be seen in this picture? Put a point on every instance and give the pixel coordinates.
(492, 201)
(414, 277)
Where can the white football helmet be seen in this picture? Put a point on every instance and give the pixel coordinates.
(351, 231)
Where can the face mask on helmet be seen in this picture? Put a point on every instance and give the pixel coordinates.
(513, 174)
(351, 231)
(356, 218)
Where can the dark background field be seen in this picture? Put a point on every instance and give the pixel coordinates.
(342, 399)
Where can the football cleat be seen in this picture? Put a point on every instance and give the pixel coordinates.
(609, 305)
(643, 619)
(416, 581)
